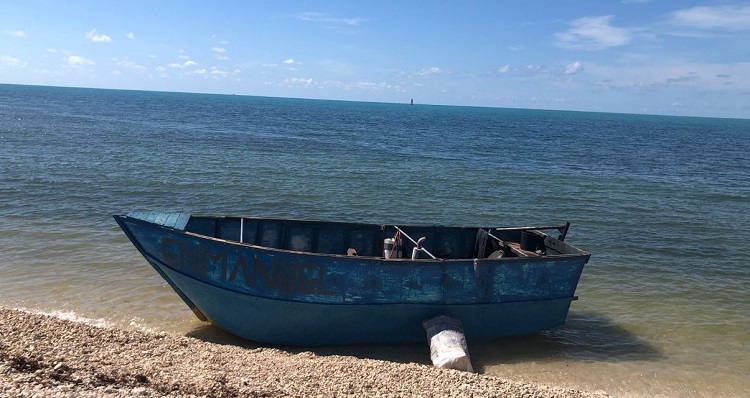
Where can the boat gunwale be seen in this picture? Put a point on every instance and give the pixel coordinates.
(581, 252)
(420, 260)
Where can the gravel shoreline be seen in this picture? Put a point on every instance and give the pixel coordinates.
(43, 356)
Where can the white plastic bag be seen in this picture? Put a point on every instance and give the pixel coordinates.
(447, 343)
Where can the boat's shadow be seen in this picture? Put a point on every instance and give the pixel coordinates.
(587, 337)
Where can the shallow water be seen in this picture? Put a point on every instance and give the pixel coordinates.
(662, 203)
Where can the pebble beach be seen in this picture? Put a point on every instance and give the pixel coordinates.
(44, 356)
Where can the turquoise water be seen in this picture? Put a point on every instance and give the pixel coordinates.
(662, 203)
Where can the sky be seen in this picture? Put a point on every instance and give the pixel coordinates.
(689, 58)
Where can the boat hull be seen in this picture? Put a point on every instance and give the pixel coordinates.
(292, 298)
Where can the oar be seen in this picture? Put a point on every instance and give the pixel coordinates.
(502, 243)
(418, 244)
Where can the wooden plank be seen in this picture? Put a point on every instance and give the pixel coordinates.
(515, 247)
(177, 220)
(557, 227)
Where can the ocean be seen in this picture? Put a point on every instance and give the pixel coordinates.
(662, 203)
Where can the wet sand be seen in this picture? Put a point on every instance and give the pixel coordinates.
(43, 356)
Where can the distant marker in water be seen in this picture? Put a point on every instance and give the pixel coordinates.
(412, 101)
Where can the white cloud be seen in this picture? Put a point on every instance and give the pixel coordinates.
(126, 63)
(434, 70)
(160, 69)
(290, 64)
(593, 33)
(75, 60)
(372, 86)
(219, 53)
(504, 69)
(342, 85)
(9, 61)
(130, 35)
(183, 65)
(18, 33)
(671, 72)
(296, 81)
(690, 77)
(732, 17)
(533, 68)
(218, 72)
(574, 67)
(320, 17)
(91, 35)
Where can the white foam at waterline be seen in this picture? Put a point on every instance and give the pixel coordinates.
(73, 317)
(135, 323)
(140, 324)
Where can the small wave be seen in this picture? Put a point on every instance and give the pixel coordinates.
(140, 324)
(73, 317)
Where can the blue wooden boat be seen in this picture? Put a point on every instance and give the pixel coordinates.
(301, 282)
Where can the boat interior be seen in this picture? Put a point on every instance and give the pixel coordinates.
(386, 241)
